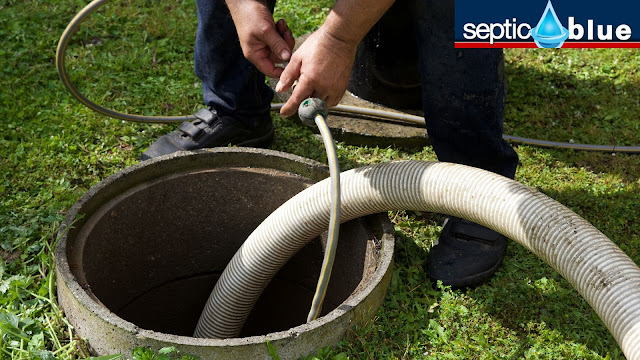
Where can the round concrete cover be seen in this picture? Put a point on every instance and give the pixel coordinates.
(121, 256)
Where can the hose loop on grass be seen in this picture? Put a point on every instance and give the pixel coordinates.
(64, 76)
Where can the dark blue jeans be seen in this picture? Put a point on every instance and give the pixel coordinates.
(463, 89)
(230, 83)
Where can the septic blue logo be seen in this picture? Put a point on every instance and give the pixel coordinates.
(549, 33)
(584, 24)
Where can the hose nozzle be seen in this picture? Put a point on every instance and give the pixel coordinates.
(311, 107)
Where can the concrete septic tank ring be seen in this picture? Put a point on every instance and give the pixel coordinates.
(142, 250)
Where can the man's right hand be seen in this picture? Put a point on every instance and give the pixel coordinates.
(323, 62)
(264, 43)
(321, 66)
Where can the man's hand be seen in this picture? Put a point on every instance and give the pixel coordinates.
(323, 63)
(264, 43)
(321, 66)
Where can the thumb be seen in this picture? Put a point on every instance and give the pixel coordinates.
(277, 44)
(290, 74)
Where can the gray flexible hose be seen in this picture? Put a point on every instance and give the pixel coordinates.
(604, 275)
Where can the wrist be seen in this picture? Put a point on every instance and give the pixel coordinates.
(240, 9)
(338, 41)
(237, 3)
(341, 32)
(350, 20)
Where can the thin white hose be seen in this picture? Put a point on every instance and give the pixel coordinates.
(604, 275)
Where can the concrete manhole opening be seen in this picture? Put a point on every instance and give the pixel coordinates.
(148, 245)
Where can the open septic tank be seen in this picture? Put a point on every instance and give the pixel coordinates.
(143, 249)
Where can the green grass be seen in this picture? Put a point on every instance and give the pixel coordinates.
(136, 56)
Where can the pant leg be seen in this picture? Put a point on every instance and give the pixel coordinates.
(230, 83)
(463, 93)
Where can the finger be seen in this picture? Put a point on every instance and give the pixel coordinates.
(320, 96)
(301, 92)
(333, 101)
(260, 59)
(267, 67)
(290, 74)
(286, 33)
(277, 44)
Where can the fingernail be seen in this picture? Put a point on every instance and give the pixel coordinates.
(284, 55)
(279, 86)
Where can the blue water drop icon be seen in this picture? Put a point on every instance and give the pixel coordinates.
(549, 33)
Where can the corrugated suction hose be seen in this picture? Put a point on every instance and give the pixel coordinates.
(604, 275)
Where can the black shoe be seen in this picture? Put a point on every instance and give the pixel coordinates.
(466, 254)
(210, 130)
